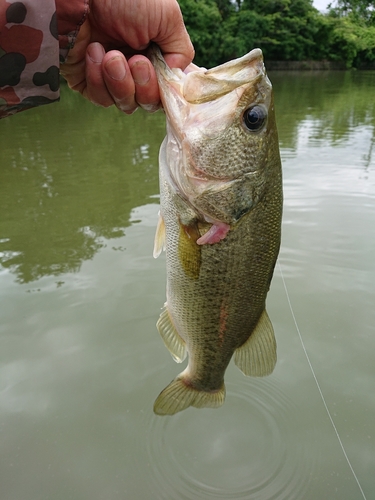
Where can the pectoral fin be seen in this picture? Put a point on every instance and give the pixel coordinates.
(188, 251)
(172, 340)
(257, 356)
(159, 243)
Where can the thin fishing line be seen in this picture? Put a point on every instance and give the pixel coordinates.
(318, 385)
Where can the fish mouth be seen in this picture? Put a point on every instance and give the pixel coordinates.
(202, 85)
(200, 106)
(185, 95)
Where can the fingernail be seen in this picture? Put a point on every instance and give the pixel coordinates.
(130, 112)
(150, 108)
(141, 73)
(95, 52)
(115, 68)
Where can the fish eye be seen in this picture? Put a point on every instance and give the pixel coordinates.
(254, 118)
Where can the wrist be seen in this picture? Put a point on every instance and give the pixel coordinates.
(70, 17)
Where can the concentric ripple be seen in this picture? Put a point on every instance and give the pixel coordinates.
(245, 450)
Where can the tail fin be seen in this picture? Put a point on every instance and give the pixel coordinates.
(178, 396)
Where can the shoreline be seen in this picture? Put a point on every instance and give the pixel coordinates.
(313, 66)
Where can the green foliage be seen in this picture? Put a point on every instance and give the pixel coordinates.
(291, 30)
(204, 22)
(283, 29)
(351, 43)
(360, 11)
(245, 30)
(352, 31)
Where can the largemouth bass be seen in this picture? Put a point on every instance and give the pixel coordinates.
(220, 222)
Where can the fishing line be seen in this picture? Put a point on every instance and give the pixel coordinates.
(318, 385)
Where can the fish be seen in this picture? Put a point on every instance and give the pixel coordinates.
(219, 223)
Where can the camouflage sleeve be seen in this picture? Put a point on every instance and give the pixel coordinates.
(35, 35)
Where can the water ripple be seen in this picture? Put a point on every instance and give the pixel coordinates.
(245, 450)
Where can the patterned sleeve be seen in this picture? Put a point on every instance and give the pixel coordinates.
(33, 41)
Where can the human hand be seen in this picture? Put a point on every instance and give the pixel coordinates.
(106, 64)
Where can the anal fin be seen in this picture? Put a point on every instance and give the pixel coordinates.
(172, 340)
(257, 356)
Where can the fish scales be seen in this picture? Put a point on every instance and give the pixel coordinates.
(221, 205)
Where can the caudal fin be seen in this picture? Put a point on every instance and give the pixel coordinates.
(178, 396)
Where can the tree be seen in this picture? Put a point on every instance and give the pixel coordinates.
(283, 29)
(352, 33)
(361, 11)
(245, 30)
(290, 29)
(205, 26)
(350, 42)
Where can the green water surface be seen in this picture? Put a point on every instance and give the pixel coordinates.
(81, 361)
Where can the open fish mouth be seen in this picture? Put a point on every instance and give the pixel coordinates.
(201, 86)
(187, 95)
(207, 109)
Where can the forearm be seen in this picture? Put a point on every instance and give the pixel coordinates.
(33, 40)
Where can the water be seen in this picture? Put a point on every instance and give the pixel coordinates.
(81, 361)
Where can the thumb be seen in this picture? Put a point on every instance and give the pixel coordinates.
(177, 48)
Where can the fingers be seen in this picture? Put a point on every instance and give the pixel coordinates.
(146, 84)
(74, 74)
(130, 83)
(118, 82)
(95, 89)
(108, 78)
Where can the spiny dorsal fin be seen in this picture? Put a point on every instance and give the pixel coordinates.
(178, 396)
(159, 242)
(174, 343)
(257, 356)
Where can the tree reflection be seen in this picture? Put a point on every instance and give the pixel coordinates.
(71, 173)
(336, 102)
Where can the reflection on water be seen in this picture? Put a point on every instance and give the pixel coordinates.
(321, 108)
(81, 361)
(252, 436)
(71, 174)
(65, 185)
